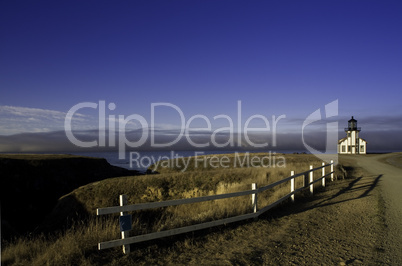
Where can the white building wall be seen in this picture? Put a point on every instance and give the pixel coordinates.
(343, 146)
(363, 146)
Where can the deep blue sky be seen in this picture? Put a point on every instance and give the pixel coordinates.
(277, 57)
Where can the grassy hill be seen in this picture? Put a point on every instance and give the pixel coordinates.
(77, 243)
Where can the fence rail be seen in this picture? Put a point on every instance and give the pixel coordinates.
(126, 240)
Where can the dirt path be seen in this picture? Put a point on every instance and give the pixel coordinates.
(342, 225)
(355, 221)
(388, 167)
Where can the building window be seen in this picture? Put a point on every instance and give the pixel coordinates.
(343, 148)
(349, 148)
(362, 148)
(348, 134)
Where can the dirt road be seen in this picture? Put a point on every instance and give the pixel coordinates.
(355, 221)
(389, 168)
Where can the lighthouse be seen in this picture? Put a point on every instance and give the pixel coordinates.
(352, 143)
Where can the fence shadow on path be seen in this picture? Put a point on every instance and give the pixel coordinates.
(363, 184)
(360, 184)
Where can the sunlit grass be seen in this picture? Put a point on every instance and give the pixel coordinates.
(77, 245)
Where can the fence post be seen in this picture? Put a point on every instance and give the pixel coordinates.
(292, 186)
(332, 170)
(254, 197)
(323, 174)
(124, 234)
(311, 180)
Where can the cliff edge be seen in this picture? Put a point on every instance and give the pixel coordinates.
(31, 184)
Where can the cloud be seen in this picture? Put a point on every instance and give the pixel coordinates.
(381, 123)
(56, 141)
(25, 129)
(16, 120)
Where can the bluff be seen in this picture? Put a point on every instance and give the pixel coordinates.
(30, 185)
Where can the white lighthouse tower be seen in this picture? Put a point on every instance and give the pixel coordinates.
(352, 144)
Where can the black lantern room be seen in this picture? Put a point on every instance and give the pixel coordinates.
(352, 125)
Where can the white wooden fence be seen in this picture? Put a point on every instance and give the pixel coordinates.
(125, 219)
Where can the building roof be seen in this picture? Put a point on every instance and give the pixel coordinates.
(352, 120)
(342, 139)
(339, 141)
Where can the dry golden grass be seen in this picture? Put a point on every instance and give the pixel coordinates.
(78, 244)
(71, 247)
